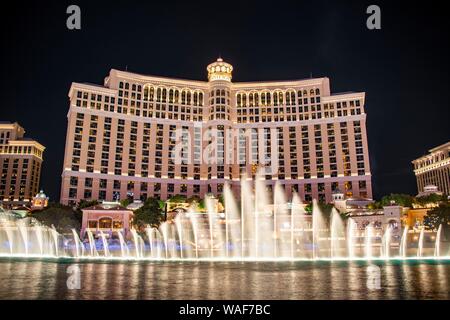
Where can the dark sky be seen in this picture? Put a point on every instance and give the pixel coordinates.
(403, 68)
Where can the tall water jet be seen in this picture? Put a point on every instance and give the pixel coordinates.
(137, 243)
(263, 235)
(368, 235)
(211, 210)
(351, 229)
(39, 238)
(92, 246)
(165, 233)
(105, 244)
(23, 232)
(404, 242)
(9, 235)
(124, 251)
(55, 240)
(194, 225)
(180, 233)
(232, 218)
(247, 219)
(149, 232)
(336, 234)
(437, 245)
(420, 244)
(318, 226)
(79, 248)
(279, 218)
(386, 242)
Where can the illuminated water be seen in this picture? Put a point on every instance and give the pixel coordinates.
(261, 225)
(45, 279)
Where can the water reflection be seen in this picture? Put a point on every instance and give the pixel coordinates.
(227, 280)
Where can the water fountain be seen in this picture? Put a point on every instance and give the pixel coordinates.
(387, 242)
(258, 226)
(404, 243)
(420, 245)
(437, 247)
(351, 229)
(368, 247)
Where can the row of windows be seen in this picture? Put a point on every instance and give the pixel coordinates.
(277, 97)
(155, 189)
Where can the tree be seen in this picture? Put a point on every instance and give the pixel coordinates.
(86, 204)
(125, 202)
(438, 216)
(64, 218)
(149, 214)
(404, 200)
(430, 199)
(177, 199)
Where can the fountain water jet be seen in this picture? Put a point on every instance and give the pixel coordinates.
(125, 252)
(24, 234)
(351, 228)
(39, 237)
(55, 240)
(387, 242)
(92, 245)
(105, 244)
(404, 243)
(368, 242)
(337, 232)
(420, 245)
(437, 246)
(79, 248)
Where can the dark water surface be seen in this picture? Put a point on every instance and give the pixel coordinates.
(34, 279)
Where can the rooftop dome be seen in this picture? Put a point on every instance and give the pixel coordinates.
(219, 70)
(41, 195)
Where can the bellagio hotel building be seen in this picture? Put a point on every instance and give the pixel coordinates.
(122, 137)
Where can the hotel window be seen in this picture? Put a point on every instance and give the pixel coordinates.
(105, 223)
(102, 195)
(87, 194)
(73, 181)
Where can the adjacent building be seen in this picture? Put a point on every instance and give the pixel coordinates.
(108, 218)
(433, 170)
(147, 136)
(20, 162)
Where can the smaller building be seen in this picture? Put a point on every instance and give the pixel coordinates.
(433, 169)
(107, 217)
(429, 190)
(413, 218)
(347, 205)
(39, 201)
(380, 219)
(20, 161)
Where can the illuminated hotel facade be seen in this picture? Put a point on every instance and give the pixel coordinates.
(120, 137)
(433, 169)
(20, 161)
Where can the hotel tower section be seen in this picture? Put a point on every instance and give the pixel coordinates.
(122, 137)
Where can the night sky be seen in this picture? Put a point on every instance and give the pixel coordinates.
(403, 68)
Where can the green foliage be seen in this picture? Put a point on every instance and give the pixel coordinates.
(324, 207)
(86, 204)
(404, 200)
(193, 199)
(178, 198)
(221, 199)
(438, 216)
(432, 198)
(64, 218)
(375, 205)
(125, 202)
(149, 214)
